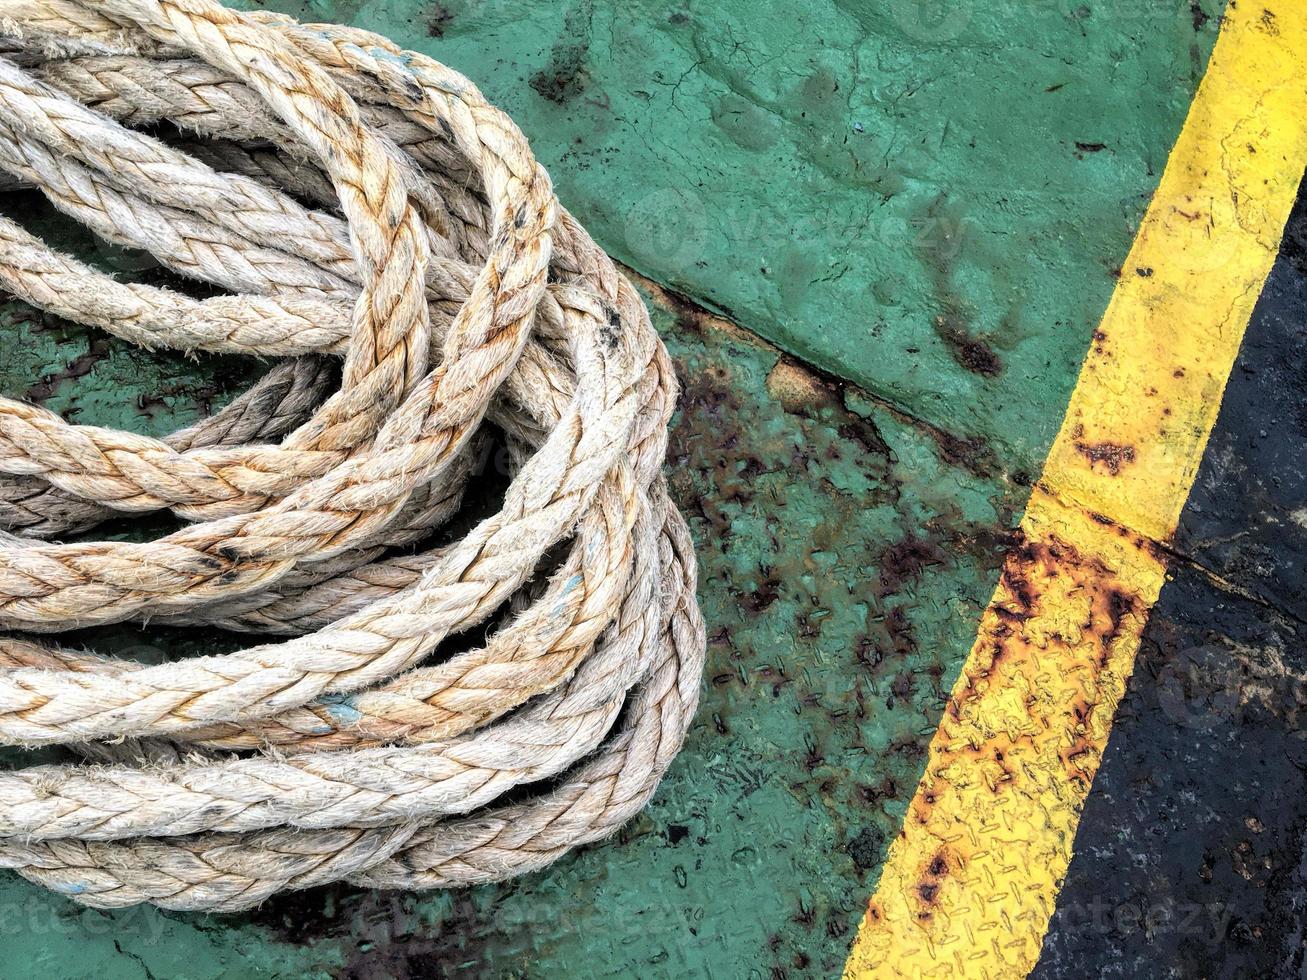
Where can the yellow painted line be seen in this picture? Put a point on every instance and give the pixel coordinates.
(970, 883)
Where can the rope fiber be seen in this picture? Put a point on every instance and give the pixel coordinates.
(351, 202)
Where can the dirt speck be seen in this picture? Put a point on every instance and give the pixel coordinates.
(797, 389)
(439, 19)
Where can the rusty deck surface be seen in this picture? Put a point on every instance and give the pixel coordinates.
(1004, 663)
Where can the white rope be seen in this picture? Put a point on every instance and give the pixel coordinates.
(359, 202)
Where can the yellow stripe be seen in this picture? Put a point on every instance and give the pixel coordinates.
(970, 883)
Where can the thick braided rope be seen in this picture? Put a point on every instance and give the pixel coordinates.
(233, 557)
(26, 434)
(355, 201)
(533, 367)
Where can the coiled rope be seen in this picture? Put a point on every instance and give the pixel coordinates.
(356, 201)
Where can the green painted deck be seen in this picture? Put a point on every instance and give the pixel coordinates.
(877, 238)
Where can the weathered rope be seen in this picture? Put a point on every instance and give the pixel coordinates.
(361, 205)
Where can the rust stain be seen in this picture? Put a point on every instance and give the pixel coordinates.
(1112, 456)
(969, 351)
(1057, 641)
(928, 885)
(903, 563)
(1023, 595)
(78, 367)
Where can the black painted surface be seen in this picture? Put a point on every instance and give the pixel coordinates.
(1189, 859)
(1246, 518)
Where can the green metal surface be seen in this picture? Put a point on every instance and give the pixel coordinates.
(927, 197)
(931, 208)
